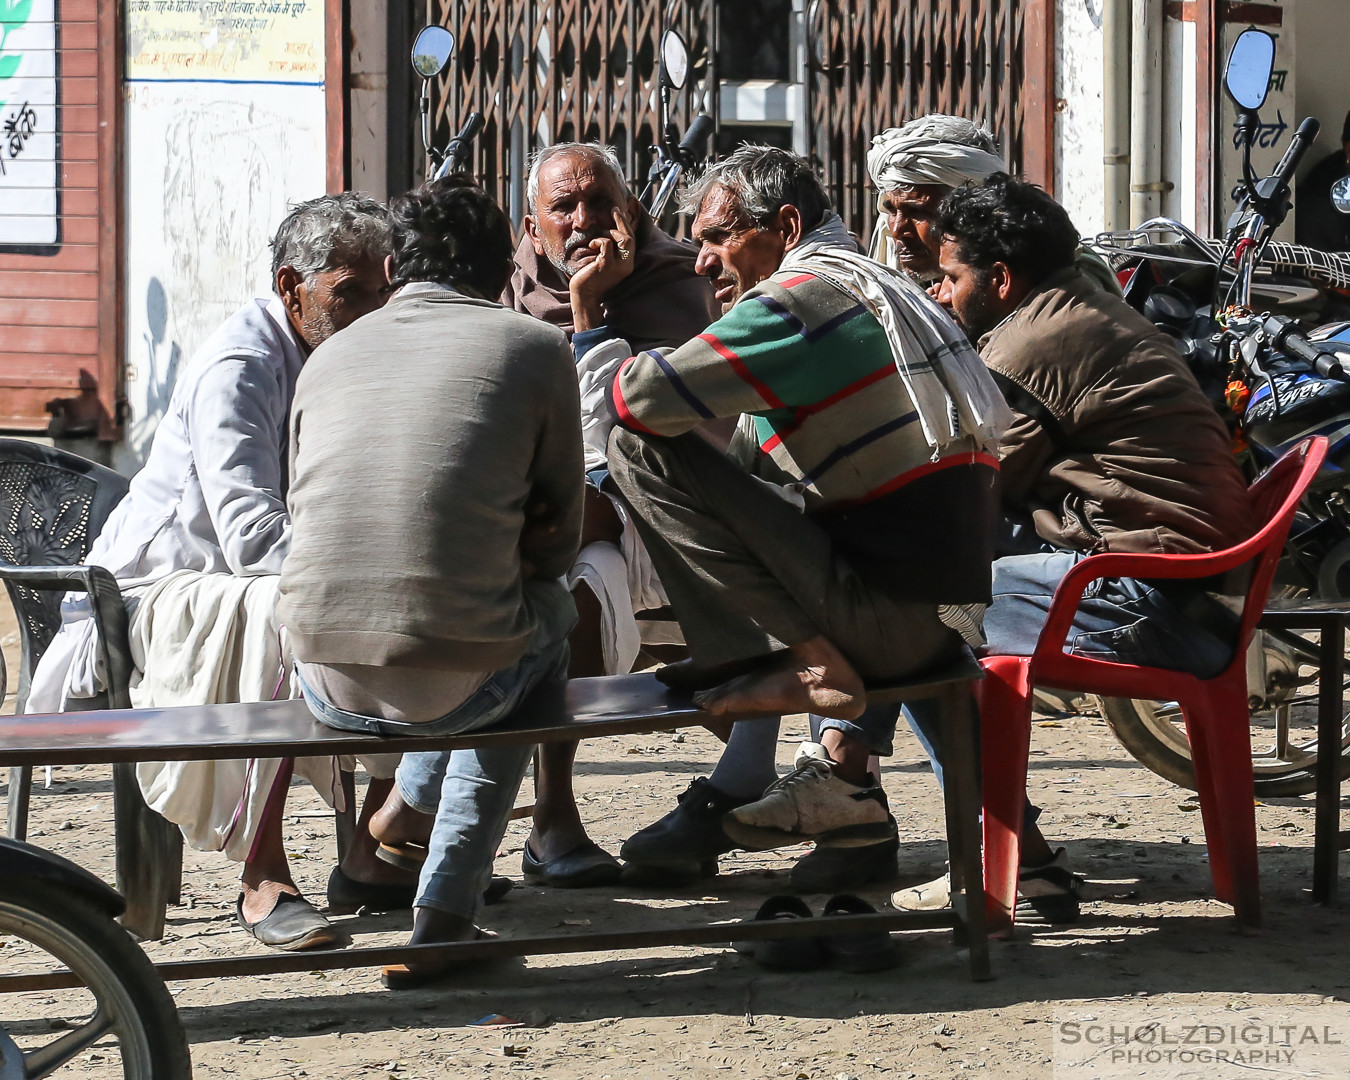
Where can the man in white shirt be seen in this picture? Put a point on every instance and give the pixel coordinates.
(197, 545)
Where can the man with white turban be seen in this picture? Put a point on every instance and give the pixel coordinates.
(913, 167)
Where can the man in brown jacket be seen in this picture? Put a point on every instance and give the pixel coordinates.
(1113, 448)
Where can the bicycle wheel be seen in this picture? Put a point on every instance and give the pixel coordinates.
(133, 1030)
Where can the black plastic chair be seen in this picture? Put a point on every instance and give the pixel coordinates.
(52, 506)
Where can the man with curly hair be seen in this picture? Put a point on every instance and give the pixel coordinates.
(1113, 447)
(423, 587)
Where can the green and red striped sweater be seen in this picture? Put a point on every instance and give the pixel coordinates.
(813, 367)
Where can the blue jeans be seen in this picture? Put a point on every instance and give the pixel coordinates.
(471, 792)
(1119, 619)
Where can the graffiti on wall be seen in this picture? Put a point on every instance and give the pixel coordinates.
(29, 211)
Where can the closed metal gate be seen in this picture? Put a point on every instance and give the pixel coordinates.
(546, 71)
(873, 64)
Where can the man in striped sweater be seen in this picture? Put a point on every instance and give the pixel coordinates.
(816, 554)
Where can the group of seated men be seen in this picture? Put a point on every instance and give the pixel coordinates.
(428, 475)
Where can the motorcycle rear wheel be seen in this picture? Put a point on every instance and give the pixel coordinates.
(1283, 726)
(131, 1002)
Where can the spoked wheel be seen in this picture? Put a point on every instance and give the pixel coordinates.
(1283, 724)
(122, 1024)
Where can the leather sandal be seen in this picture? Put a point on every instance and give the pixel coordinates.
(784, 954)
(409, 857)
(585, 866)
(293, 924)
(411, 976)
(857, 953)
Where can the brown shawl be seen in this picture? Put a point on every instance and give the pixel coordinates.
(662, 303)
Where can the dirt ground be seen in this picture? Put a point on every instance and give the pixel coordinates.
(1148, 935)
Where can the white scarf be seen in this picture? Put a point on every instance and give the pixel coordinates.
(952, 390)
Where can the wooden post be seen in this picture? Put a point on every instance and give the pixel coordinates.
(337, 69)
(1207, 28)
(1038, 93)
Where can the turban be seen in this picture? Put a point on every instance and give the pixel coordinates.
(945, 150)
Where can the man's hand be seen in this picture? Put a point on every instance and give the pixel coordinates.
(616, 255)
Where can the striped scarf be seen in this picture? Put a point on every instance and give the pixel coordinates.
(952, 390)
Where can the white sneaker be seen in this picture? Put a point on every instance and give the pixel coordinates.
(930, 896)
(811, 803)
(1047, 895)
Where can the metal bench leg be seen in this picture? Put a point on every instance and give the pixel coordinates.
(148, 850)
(961, 795)
(1330, 702)
(20, 789)
(344, 821)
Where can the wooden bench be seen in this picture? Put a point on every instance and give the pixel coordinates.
(580, 709)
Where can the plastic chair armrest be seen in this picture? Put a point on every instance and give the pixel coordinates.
(1069, 593)
(110, 615)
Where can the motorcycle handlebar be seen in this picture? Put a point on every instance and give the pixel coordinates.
(458, 150)
(1298, 146)
(697, 136)
(1284, 336)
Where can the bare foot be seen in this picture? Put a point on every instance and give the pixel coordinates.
(686, 675)
(397, 823)
(812, 677)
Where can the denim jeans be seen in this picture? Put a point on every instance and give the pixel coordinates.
(1119, 619)
(471, 792)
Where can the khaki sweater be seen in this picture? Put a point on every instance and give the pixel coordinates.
(419, 435)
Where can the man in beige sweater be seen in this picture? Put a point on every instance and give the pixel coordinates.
(436, 499)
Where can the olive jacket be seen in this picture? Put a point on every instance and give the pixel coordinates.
(1114, 446)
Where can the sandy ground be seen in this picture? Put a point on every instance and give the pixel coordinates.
(1148, 935)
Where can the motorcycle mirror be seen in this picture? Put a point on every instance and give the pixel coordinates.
(1250, 63)
(1340, 194)
(674, 60)
(432, 50)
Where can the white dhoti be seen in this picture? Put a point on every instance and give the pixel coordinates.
(625, 582)
(199, 639)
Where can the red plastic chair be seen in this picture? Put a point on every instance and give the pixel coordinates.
(1215, 709)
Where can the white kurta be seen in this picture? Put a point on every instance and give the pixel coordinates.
(211, 498)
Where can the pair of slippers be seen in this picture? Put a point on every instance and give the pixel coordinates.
(854, 953)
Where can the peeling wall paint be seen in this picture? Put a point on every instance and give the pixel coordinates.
(1078, 120)
(212, 164)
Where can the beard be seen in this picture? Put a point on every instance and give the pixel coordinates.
(977, 315)
(317, 326)
(559, 257)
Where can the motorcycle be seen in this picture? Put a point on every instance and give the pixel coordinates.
(432, 51)
(1233, 309)
(674, 155)
(51, 905)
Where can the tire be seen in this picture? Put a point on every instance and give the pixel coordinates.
(132, 1001)
(1155, 735)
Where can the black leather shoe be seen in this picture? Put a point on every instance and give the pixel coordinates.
(834, 869)
(347, 896)
(292, 924)
(684, 843)
(585, 866)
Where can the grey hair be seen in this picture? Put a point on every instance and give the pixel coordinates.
(762, 180)
(330, 231)
(598, 153)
